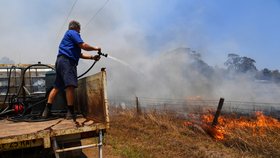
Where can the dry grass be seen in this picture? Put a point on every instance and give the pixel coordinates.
(158, 135)
(264, 140)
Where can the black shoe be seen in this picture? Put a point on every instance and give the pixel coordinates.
(46, 113)
(70, 116)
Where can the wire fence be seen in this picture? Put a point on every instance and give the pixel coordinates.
(187, 106)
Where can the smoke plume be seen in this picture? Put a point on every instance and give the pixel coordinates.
(159, 64)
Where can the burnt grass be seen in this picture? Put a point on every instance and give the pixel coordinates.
(164, 135)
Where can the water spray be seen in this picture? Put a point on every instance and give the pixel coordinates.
(118, 60)
(125, 64)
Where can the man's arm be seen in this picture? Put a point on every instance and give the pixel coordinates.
(88, 56)
(88, 47)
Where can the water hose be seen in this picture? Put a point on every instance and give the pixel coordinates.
(21, 85)
(8, 89)
(22, 77)
(100, 54)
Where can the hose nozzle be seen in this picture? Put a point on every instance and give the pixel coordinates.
(100, 53)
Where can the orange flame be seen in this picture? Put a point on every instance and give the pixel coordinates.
(227, 124)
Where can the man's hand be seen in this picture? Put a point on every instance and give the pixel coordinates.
(96, 57)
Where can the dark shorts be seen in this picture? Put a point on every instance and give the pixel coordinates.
(66, 72)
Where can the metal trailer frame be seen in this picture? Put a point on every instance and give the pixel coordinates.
(99, 145)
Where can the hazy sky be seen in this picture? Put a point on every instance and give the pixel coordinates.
(214, 28)
(141, 33)
(31, 29)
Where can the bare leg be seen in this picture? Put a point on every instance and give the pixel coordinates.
(70, 103)
(51, 97)
(70, 95)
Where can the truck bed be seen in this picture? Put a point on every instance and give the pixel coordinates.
(92, 103)
(16, 135)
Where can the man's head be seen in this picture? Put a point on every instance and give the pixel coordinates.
(74, 25)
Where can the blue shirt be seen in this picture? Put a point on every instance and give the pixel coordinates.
(69, 45)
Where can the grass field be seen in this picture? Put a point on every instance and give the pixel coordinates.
(165, 135)
(168, 135)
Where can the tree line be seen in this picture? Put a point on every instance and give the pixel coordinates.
(239, 64)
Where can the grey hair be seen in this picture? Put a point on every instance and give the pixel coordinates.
(74, 25)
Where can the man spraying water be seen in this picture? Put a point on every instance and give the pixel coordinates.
(67, 60)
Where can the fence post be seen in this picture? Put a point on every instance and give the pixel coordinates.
(215, 120)
(138, 108)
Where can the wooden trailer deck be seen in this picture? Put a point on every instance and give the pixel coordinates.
(16, 135)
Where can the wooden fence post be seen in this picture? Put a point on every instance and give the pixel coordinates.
(138, 108)
(215, 120)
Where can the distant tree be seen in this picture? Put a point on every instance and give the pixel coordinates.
(202, 67)
(236, 63)
(233, 62)
(269, 75)
(275, 76)
(6, 60)
(264, 74)
(247, 64)
(195, 55)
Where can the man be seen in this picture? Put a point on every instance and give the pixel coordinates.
(66, 67)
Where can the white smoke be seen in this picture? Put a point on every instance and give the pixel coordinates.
(156, 68)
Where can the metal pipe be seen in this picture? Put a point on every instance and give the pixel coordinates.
(7, 111)
(76, 148)
(100, 144)
(55, 146)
